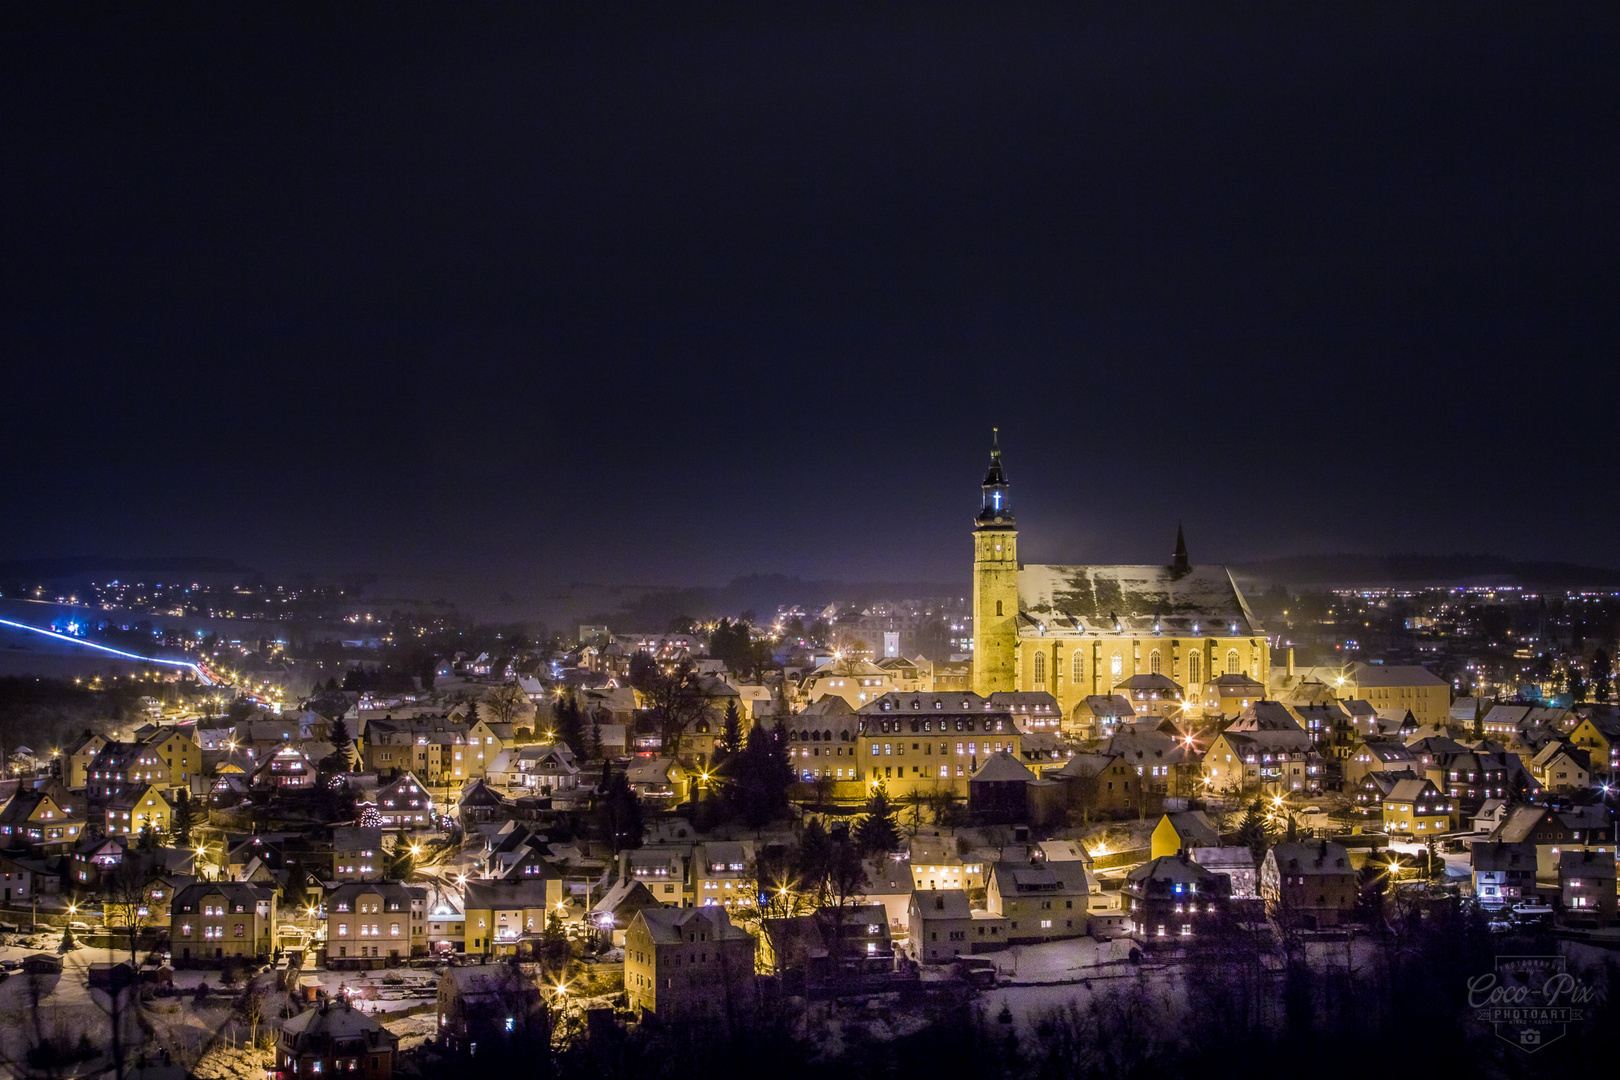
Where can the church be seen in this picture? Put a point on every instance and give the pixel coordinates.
(1077, 631)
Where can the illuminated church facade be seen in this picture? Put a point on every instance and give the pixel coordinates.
(1079, 631)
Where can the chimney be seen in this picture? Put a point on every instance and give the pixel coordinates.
(624, 865)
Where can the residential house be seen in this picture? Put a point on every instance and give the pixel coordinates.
(1228, 695)
(1183, 831)
(659, 781)
(372, 922)
(1233, 862)
(1417, 808)
(92, 857)
(78, 756)
(544, 768)
(357, 852)
(822, 740)
(937, 865)
(502, 912)
(405, 805)
(931, 743)
(1034, 711)
(688, 962)
(18, 877)
(1171, 896)
(1376, 755)
(943, 924)
(1040, 902)
(1150, 695)
(1100, 785)
(137, 807)
(287, 767)
(213, 920)
(720, 872)
(1311, 883)
(1561, 767)
(335, 1039)
(1504, 873)
(492, 1006)
(1599, 735)
(1097, 716)
(1586, 886)
(1263, 750)
(998, 791)
(844, 945)
(486, 740)
(1553, 832)
(35, 819)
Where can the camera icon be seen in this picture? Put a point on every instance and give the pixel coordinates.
(1529, 1037)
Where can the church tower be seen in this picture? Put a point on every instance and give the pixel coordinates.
(995, 583)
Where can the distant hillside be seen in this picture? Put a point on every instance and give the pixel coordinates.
(763, 594)
(1412, 569)
(102, 566)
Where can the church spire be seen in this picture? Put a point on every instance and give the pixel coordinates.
(1179, 563)
(997, 507)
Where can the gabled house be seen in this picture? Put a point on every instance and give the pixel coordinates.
(405, 805)
(1586, 885)
(337, 1039)
(372, 922)
(688, 962)
(1180, 832)
(659, 781)
(1310, 883)
(502, 912)
(138, 807)
(1040, 902)
(35, 819)
(212, 920)
(489, 1006)
(1172, 898)
(1561, 767)
(943, 924)
(1416, 808)
(1503, 873)
(357, 852)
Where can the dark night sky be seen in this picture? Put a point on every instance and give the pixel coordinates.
(522, 299)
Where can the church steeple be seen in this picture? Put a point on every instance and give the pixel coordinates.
(1179, 563)
(997, 507)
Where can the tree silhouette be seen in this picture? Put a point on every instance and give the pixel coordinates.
(878, 832)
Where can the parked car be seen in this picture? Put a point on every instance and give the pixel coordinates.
(976, 971)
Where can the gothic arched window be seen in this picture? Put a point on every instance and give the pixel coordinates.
(1231, 662)
(1040, 671)
(1195, 667)
(1116, 668)
(1153, 661)
(1079, 664)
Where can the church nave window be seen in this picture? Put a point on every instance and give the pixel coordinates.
(1078, 663)
(1116, 668)
(1195, 667)
(1231, 662)
(1040, 671)
(1153, 662)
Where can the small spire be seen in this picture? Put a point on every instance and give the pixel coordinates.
(1179, 563)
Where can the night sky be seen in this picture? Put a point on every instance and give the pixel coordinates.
(516, 299)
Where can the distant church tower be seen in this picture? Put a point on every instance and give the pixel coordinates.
(995, 583)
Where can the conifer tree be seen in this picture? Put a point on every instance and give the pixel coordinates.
(1252, 832)
(182, 821)
(878, 832)
(342, 743)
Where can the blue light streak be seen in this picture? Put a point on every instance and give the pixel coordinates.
(109, 650)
